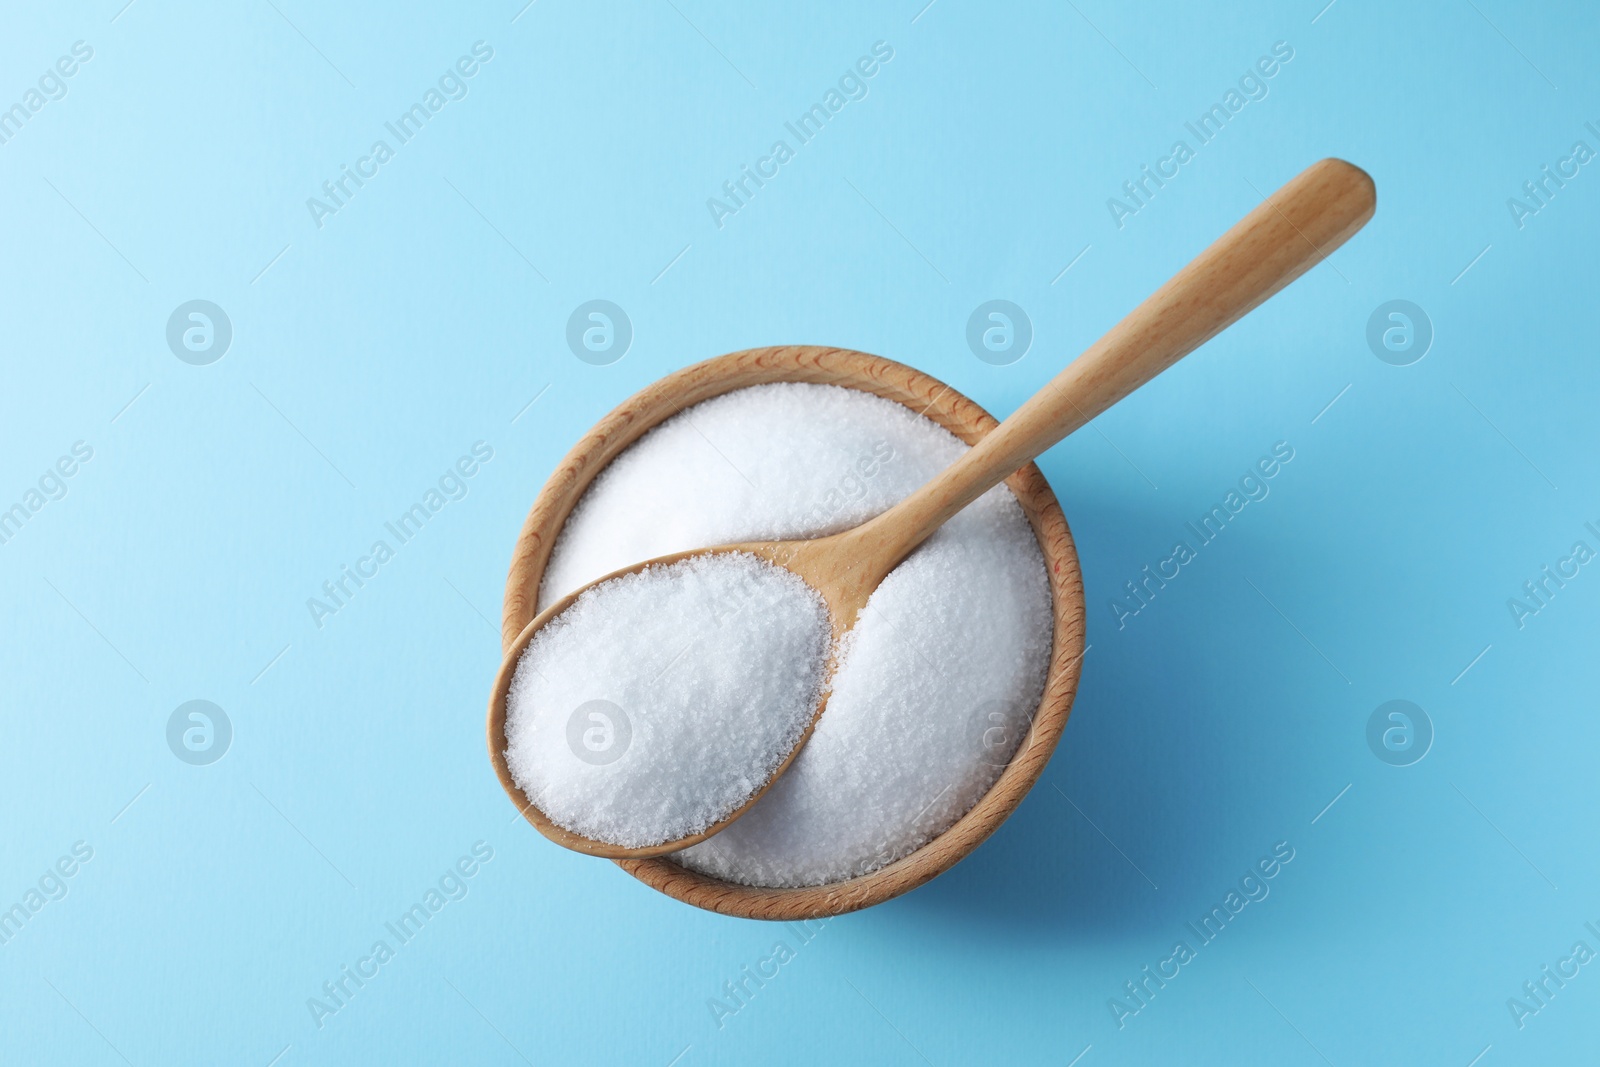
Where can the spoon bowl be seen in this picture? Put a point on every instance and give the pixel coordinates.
(776, 552)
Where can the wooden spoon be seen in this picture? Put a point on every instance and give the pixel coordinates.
(1282, 238)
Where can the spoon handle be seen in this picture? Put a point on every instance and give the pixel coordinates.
(1283, 237)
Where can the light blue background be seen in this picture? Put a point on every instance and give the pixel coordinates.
(377, 349)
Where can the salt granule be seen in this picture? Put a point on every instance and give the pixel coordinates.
(659, 702)
(938, 679)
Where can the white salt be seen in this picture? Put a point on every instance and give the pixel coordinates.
(659, 702)
(940, 675)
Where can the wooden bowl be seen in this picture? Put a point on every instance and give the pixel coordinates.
(924, 395)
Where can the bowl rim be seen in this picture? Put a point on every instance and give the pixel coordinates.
(926, 396)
